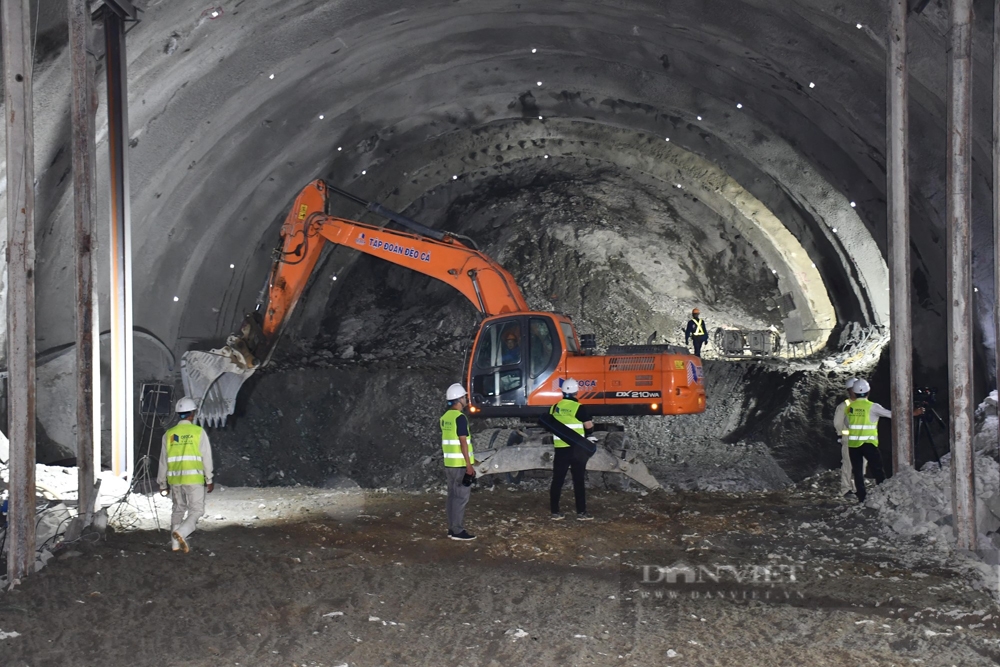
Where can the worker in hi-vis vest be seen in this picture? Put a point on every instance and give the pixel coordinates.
(569, 412)
(186, 470)
(862, 429)
(840, 423)
(456, 444)
(696, 331)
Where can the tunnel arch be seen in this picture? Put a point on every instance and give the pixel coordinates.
(200, 96)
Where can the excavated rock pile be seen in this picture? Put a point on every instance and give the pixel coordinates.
(919, 502)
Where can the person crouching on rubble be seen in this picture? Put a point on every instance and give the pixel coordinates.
(186, 469)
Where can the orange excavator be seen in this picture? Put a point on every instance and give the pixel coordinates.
(518, 360)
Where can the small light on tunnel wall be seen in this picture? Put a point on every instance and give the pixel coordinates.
(534, 50)
(321, 116)
(775, 271)
(858, 26)
(679, 186)
(340, 148)
(539, 84)
(975, 289)
(177, 298)
(739, 106)
(546, 157)
(364, 171)
(812, 85)
(455, 177)
(834, 230)
(271, 77)
(668, 138)
(699, 117)
(853, 205)
(540, 118)
(232, 266)
(334, 278)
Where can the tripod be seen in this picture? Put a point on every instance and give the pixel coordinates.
(924, 422)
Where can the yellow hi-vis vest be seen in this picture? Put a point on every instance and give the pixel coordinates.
(699, 327)
(859, 426)
(565, 411)
(184, 464)
(450, 443)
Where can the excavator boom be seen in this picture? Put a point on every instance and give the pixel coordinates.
(214, 378)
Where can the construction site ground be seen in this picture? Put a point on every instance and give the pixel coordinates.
(302, 576)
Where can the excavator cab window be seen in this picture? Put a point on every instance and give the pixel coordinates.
(498, 374)
(569, 333)
(543, 348)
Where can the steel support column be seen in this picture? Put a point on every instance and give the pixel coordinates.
(898, 172)
(996, 197)
(122, 390)
(15, 24)
(83, 111)
(959, 221)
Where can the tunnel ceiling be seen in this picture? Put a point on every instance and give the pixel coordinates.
(774, 113)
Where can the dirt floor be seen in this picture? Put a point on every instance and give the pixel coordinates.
(300, 576)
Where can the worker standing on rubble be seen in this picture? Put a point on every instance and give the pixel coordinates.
(840, 423)
(458, 459)
(186, 469)
(696, 331)
(569, 412)
(862, 427)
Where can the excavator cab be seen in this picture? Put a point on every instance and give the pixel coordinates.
(513, 358)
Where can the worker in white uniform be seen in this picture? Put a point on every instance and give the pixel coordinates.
(186, 470)
(840, 423)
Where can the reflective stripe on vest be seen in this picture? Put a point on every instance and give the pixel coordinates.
(699, 328)
(859, 426)
(450, 444)
(847, 403)
(565, 412)
(184, 464)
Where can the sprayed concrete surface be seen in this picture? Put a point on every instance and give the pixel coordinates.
(317, 577)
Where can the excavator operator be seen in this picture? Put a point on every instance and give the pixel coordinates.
(511, 346)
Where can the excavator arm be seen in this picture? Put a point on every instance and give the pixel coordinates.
(214, 378)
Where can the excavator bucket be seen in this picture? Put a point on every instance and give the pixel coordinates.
(213, 379)
(613, 456)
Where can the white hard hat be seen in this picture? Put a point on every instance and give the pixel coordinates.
(850, 383)
(570, 386)
(186, 405)
(455, 392)
(861, 387)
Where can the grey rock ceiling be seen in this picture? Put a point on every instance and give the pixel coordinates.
(414, 93)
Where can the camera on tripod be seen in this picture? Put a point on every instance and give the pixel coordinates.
(926, 398)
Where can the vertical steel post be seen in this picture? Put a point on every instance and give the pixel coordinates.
(898, 173)
(960, 273)
(15, 23)
(122, 394)
(83, 110)
(996, 196)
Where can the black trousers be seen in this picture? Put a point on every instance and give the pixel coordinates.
(866, 452)
(562, 462)
(698, 342)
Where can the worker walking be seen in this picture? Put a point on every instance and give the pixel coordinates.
(569, 412)
(840, 423)
(862, 427)
(186, 470)
(458, 459)
(696, 331)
